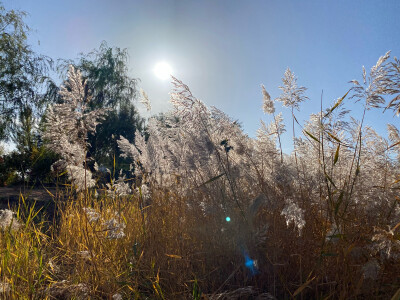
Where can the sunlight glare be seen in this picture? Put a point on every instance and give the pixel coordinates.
(163, 70)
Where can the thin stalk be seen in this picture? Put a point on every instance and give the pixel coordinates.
(279, 136)
(359, 145)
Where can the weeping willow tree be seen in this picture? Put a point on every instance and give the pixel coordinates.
(111, 87)
(23, 73)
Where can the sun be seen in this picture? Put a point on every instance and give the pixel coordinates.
(163, 70)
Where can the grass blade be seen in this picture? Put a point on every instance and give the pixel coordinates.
(212, 179)
(396, 296)
(302, 287)
(334, 137)
(336, 104)
(336, 155)
(311, 136)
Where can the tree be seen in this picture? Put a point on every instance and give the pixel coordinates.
(122, 122)
(31, 159)
(108, 82)
(22, 72)
(106, 73)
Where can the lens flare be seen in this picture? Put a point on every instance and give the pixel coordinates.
(228, 219)
(250, 264)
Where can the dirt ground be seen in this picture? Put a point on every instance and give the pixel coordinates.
(13, 194)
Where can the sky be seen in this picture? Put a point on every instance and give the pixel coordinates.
(223, 50)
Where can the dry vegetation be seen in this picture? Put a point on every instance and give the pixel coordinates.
(322, 223)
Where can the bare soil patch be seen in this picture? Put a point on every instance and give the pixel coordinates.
(9, 195)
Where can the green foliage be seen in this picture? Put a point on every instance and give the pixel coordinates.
(106, 73)
(24, 135)
(31, 160)
(33, 166)
(104, 147)
(22, 72)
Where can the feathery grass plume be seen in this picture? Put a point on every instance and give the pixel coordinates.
(291, 95)
(67, 290)
(5, 288)
(394, 136)
(190, 238)
(268, 104)
(187, 143)
(117, 296)
(294, 214)
(264, 131)
(119, 187)
(266, 134)
(92, 214)
(385, 244)
(114, 229)
(67, 127)
(277, 126)
(143, 192)
(145, 100)
(8, 220)
(269, 107)
(393, 85)
(375, 84)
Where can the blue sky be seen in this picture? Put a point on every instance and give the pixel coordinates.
(224, 50)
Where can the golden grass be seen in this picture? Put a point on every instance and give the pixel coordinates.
(172, 250)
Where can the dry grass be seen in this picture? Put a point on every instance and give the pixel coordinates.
(172, 250)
